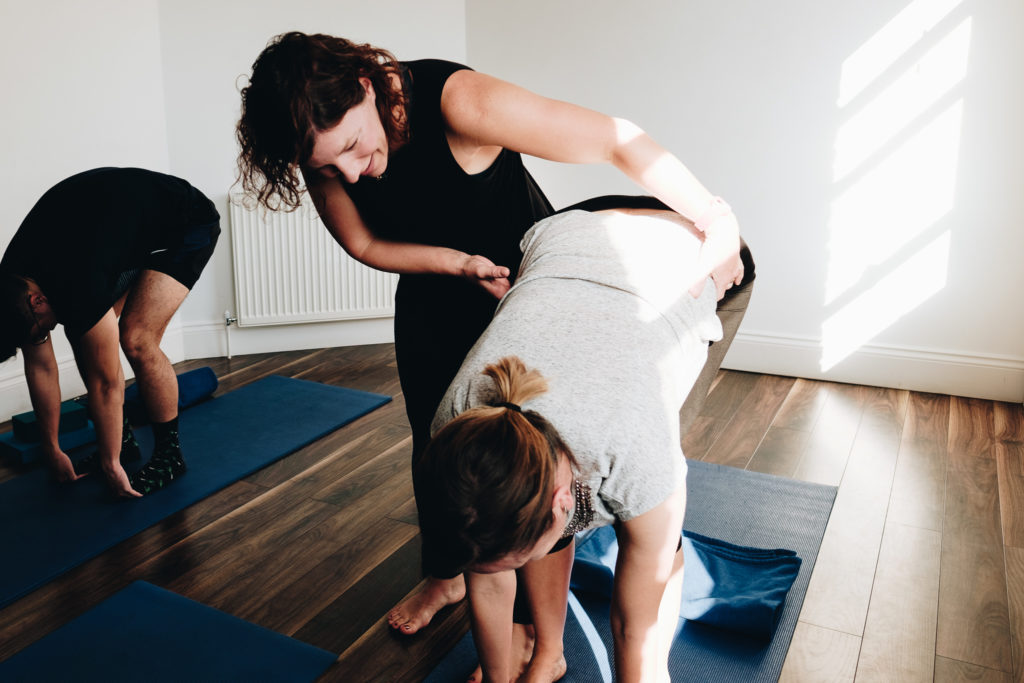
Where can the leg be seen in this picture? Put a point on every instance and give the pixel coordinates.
(148, 309)
(150, 304)
(437, 321)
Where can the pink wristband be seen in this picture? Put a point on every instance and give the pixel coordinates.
(715, 210)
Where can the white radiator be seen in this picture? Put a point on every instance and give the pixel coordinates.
(288, 269)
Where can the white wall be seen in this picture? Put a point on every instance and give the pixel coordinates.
(208, 50)
(747, 93)
(82, 87)
(901, 267)
(155, 83)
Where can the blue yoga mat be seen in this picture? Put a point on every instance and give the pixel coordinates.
(739, 507)
(223, 440)
(145, 633)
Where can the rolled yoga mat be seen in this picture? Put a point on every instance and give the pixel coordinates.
(193, 387)
(223, 440)
(743, 508)
(146, 633)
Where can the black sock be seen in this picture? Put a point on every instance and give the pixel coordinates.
(166, 431)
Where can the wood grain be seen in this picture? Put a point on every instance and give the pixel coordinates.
(840, 588)
(820, 654)
(899, 637)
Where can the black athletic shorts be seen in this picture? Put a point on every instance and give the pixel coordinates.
(189, 251)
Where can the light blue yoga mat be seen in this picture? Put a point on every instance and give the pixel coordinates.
(146, 633)
(739, 507)
(223, 439)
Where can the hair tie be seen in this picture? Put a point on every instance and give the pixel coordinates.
(510, 406)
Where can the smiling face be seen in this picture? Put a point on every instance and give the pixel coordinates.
(357, 146)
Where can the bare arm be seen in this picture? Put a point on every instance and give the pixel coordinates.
(97, 355)
(547, 587)
(339, 214)
(646, 566)
(44, 391)
(484, 111)
(491, 601)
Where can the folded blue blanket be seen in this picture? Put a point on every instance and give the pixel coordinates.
(729, 586)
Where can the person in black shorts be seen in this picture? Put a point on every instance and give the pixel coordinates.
(110, 254)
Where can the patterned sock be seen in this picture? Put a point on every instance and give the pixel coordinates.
(166, 465)
(162, 430)
(130, 451)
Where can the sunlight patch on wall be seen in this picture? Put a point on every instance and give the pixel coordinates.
(903, 289)
(900, 198)
(895, 172)
(944, 66)
(899, 35)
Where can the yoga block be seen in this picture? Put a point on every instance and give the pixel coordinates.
(193, 387)
(20, 452)
(72, 418)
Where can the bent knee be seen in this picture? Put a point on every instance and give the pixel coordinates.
(138, 345)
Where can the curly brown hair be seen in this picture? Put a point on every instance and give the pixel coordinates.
(302, 84)
(485, 482)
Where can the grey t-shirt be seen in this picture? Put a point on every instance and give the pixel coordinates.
(601, 309)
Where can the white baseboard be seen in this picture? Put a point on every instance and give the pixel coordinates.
(210, 340)
(975, 376)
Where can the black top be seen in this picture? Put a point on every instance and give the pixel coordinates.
(89, 229)
(425, 197)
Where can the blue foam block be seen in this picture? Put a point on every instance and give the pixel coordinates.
(147, 633)
(20, 452)
(73, 417)
(223, 440)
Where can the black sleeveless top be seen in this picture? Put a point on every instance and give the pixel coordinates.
(425, 197)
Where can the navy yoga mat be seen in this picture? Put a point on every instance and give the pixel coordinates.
(48, 529)
(745, 508)
(145, 633)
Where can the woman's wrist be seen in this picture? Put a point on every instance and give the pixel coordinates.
(715, 210)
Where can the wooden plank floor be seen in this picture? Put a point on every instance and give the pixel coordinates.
(920, 575)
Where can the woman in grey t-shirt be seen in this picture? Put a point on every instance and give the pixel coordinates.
(564, 416)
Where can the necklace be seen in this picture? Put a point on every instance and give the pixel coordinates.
(583, 514)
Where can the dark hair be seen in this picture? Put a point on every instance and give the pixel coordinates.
(302, 84)
(14, 326)
(486, 480)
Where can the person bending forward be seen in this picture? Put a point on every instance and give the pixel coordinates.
(110, 254)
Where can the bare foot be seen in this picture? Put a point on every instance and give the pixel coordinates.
(416, 612)
(544, 670)
(524, 667)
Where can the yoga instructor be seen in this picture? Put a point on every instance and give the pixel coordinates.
(110, 254)
(415, 168)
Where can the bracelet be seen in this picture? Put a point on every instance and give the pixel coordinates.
(715, 210)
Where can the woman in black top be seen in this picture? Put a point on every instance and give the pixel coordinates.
(415, 169)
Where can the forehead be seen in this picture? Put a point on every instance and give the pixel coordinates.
(329, 143)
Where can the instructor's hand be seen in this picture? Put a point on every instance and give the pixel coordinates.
(482, 270)
(720, 257)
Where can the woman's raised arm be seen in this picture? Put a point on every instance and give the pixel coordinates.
(483, 111)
